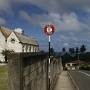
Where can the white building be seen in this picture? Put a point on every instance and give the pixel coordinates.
(16, 42)
(74, 65)
(71, 66)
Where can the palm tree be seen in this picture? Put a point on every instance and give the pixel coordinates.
(71, 50)
(82, 49)
(64, 50)
(5, 53)
(77, 50)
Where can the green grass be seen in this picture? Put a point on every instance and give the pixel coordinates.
(4, 77)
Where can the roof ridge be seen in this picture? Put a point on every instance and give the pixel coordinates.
(5, 28)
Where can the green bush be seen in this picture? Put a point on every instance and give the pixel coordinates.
(85, 67)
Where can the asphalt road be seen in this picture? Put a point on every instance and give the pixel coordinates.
(82, 79)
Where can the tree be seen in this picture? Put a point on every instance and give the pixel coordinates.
(5, 53)
(66, 58)
(72, 51)
(77, 50)
(82, 49)
(42, 51)
(52, 51)
(63, 50)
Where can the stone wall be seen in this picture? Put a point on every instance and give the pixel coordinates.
(29, 71)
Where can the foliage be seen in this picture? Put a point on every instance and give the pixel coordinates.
(57, 55)
(52, 52)
(77, 50)
(71, 50)
(64, 50)
(85, 67)
(66, 58)
(42, 51)
(5, 53)
(74, 53)
(3, 77)
(82, 49)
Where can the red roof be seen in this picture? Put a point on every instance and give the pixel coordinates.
(78, 61)
(89, 63)
(6, 32)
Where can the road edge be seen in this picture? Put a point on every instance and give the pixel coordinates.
(73, 82)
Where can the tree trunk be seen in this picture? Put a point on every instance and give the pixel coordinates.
(5, 58)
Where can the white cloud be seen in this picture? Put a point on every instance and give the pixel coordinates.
(19, 30)
(59, 6)
(58, 12)
(66, 44)
(62, 37)
(2, 21)
(55, 6)
(5, 7)
(63, 14)
(25, 15)
(61, 22)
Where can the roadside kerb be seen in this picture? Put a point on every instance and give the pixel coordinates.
(73, 82)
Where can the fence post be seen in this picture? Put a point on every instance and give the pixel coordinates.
(14, 72)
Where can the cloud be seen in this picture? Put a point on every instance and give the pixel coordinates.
(2, 21)
(54, 6)
(74, 39)
(57, 12)
(67, 22)
(19, 30)
(5, 7)
(62, 14)
(65, 44)
(58, 6)
(25, 15)
(71, 18)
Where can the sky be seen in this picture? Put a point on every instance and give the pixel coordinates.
(71, 19)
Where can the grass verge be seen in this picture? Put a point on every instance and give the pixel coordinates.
(4, 77)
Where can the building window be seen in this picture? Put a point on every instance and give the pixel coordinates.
(13, 40)
(26, 48)
(68, 64)
(33, 49)
(74, 64)
(29, 49)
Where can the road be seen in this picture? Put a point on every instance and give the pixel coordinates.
(82, 79)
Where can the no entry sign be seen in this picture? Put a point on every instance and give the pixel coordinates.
(49, 29)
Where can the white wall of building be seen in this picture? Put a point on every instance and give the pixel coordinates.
(2, 45)
(15, 46)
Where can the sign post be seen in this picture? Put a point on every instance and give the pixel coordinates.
(49, 30)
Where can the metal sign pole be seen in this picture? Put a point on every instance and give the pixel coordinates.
(49, 30)
(49, 65)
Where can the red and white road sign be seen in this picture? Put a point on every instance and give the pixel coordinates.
(49, 29)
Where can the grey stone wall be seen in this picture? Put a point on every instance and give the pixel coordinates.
(29, 71)
(55, 69)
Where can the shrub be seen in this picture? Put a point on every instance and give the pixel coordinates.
(85, 67)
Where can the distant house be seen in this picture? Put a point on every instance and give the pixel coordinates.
(16, 42)
(73, 65)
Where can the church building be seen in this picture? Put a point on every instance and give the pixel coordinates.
(16, 42)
